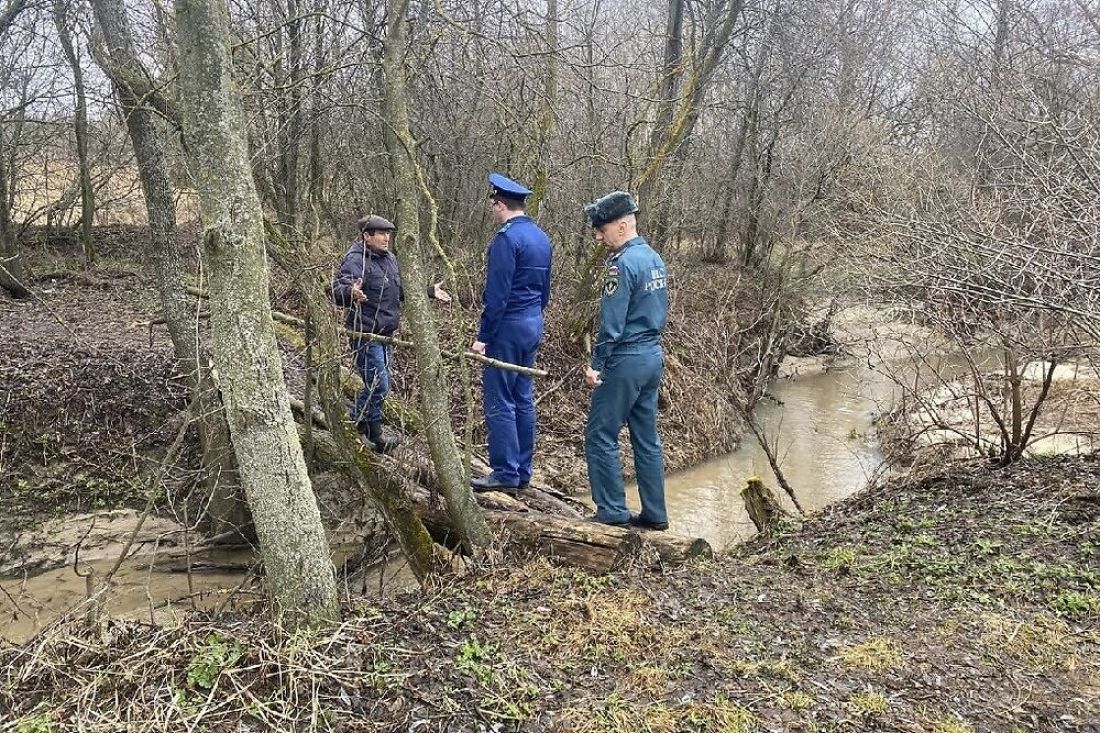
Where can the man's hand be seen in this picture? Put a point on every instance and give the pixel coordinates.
(436, 291)
(357, 291)
(478, 348)
(592, 377)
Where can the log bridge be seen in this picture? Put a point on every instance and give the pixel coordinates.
(544, 520)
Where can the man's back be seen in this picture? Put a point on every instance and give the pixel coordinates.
(533, 254)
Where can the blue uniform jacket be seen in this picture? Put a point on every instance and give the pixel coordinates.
(634, 303)
(518, 279)
(381, 312)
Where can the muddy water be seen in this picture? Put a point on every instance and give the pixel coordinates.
(138, 591)
(821, 421)
(821, 424)
(159, 592)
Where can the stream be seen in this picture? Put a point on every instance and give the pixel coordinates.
(821, 424)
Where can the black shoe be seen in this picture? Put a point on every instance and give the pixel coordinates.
(491, 483)
(637, 520)
(595, 518)
(378, 439)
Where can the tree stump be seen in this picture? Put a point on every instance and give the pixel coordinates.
(763, 509)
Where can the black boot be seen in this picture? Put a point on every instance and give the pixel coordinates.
(378, 439)
(492, 483)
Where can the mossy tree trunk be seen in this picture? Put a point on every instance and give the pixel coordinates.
(435, 401)
(265, 439)
(227, 510)
(683, 85)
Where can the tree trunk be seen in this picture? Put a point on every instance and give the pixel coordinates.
(290, 123)
(686, 86)
(434, 393)
(87, 193)
(13, 278)
(540, 177)
(1014, 390)
(764, 510)
(265, 439)
(226, 509)
(669, 91)
(316, 163)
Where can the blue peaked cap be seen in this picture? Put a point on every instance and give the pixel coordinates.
(505, 186)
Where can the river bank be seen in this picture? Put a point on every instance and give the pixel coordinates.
(968, 600)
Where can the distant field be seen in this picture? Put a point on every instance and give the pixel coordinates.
(119, 198)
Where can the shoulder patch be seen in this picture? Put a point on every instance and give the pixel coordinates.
(610, 285)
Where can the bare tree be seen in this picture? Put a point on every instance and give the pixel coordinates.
(133, 84)
(13, 277)
(65, 35)
(464, 512)
(265, 439)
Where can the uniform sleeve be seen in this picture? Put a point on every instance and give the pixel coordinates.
(498, 285)
(345, 277)
(613, 311)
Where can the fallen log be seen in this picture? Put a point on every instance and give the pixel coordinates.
(571, 540)
(537, 517)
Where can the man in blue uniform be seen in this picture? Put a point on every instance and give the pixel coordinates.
(517, 289)
(626, 367)
(369, 286)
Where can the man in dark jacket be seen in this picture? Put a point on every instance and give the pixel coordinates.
(517, 290)
(369, 286)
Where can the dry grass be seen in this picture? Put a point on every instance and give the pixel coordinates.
(877, 653)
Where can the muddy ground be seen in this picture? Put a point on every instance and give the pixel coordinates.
(968, 600)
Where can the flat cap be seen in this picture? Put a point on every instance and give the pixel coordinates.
(614, 205)
(374, 222)
(505, 186)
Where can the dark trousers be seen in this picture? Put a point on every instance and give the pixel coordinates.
(508, 400)
(372, 362)
(628, 396)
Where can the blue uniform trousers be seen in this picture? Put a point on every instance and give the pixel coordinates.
(508, 400)
(372, 362)
(628, 396)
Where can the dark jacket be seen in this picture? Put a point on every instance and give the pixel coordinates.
(517, 284)
(381, 312)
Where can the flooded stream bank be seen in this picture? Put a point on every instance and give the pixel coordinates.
(820, 415)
